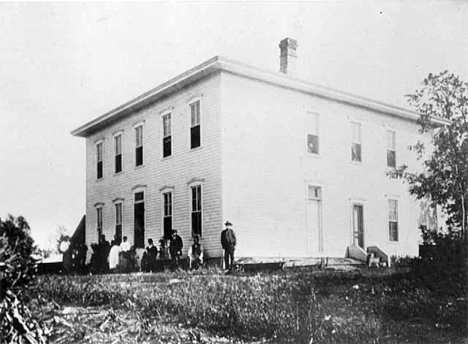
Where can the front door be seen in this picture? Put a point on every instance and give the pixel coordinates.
(139, 222)
(314, 220)
(358, 225)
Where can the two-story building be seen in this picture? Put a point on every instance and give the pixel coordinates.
(298, 168)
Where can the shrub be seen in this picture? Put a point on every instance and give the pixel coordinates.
(17, 272)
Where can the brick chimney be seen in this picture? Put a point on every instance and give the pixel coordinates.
(288, 56)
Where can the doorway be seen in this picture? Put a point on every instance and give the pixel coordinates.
(139, 222)
(358, 225)
(314, 220)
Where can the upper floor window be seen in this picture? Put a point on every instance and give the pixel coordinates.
(195, 124)
(313, 133)
(99, 159)
(196, 210)
(393, 219)
(139, 145)
(356, 142)
(391, 148)
(118, 153)
(167, 135)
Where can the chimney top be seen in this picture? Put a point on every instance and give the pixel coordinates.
(288, 56)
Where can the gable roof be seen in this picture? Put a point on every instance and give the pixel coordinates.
(219, 63)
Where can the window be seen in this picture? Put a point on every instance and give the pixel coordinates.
(118, 153)
(167, 137)
(196, 212)
(393, 219)
(313, 133)
(139, 145)
(118, 220)
(356, 142)
(167, 214)
(99, 159)
(99, 220)
(315, 193)
(195, 140)
(391, 148)
(139, 220)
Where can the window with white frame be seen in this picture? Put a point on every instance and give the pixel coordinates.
(167, 135)
(99, 220)
(118, 152)
(167, 214)
(196, 209)
(356, 144)
(313, 146)
(99, 160)
(393, 220)
(139, 145)
(391, 148)
(195, 125)
(118, 220)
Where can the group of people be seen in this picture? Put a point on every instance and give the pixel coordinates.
(170, 250)
(118, 254)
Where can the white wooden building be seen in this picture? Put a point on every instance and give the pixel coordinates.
(299, 169)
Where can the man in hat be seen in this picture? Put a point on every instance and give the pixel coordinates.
(175, 248)
(228, 242)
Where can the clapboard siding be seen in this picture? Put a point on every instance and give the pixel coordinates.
(266, 171)
(184, 165)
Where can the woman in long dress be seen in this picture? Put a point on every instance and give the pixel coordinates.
(114, 256)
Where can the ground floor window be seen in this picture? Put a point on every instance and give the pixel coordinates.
(118, 220)
(139, 220)
(167, 214)
(393, 219)
(196, 210)
(99, 220)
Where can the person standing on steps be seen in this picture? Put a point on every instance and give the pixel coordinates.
(228, 242)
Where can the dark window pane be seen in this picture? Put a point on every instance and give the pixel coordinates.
(99, 170)
(393, 231)
(167, 227)
(118, 163)
(167, 146)
(391, 158)
(356, 152)
(196, 224)
(139, 156)
(139, 196)
(195, 137)
(312, 144)
(139, 225)
(118, 231)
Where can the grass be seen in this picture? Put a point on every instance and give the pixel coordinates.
(295, 306)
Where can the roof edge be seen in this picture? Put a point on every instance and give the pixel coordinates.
(276, 78)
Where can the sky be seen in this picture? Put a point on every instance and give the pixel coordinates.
(63, 64)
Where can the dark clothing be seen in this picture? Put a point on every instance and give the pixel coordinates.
(228, 239)
(148, 261)
(229, 259)
(196, 249)
(228, 242)
(175, 247)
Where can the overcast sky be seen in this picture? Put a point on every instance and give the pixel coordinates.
(63, 64)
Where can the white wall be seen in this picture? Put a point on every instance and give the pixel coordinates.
(266, 170)
(157, 172)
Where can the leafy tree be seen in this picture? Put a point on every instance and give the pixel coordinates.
(17, 272)
(444, 178)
